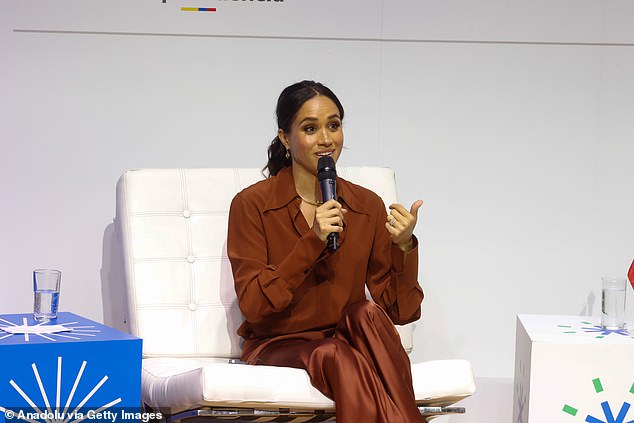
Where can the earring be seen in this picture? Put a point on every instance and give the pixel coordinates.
(288, 154)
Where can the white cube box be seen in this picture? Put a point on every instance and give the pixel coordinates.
(570, 370)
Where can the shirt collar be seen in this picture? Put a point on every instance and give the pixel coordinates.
(283, 189)
(284, 192)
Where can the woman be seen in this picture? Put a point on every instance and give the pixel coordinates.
(304, 305)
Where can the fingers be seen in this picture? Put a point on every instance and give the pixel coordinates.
(332, 203)
(400, 216)
(399, 208)
(393, 231)
(415, 206)
(331, 209)
(329, 218)
(327, 227)
(401, 222)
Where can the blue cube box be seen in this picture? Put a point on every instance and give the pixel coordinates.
(93, 371)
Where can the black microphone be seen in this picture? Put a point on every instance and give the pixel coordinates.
(327, 176)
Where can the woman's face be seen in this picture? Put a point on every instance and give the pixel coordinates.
(315, 132)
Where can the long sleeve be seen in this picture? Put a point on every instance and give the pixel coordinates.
(264, 288)
(392, 276)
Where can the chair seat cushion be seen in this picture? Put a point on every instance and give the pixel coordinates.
(186, 383)
(440, 383)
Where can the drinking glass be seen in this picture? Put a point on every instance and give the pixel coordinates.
(613, 303)
(46, 283)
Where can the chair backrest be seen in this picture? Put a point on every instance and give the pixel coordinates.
(172, 226)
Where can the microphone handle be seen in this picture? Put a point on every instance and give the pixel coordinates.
(328, 192)
(333, 241)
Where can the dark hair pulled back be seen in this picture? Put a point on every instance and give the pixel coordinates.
(288, 104)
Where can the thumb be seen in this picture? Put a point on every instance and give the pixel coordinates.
(417, 205)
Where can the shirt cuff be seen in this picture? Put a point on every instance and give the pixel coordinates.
(405, 262)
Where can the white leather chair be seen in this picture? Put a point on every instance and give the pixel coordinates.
(172, 226)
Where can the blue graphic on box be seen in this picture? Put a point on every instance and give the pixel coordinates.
(609, 416)
(604, 331)
(598, 330)
(69, 378)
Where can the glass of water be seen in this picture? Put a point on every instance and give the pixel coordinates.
(613, 303)
(46, 284)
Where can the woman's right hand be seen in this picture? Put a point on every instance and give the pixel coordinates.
(328, 219)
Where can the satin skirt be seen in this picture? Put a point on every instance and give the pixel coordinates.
(361, 365)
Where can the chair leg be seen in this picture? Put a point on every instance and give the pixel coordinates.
(430, 412)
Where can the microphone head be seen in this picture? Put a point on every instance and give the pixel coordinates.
(326, 168)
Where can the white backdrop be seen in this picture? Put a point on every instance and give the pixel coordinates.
(512, 120)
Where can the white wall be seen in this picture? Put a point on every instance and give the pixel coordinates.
(512, 120)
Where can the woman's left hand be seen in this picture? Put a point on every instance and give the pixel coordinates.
(400, 224)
